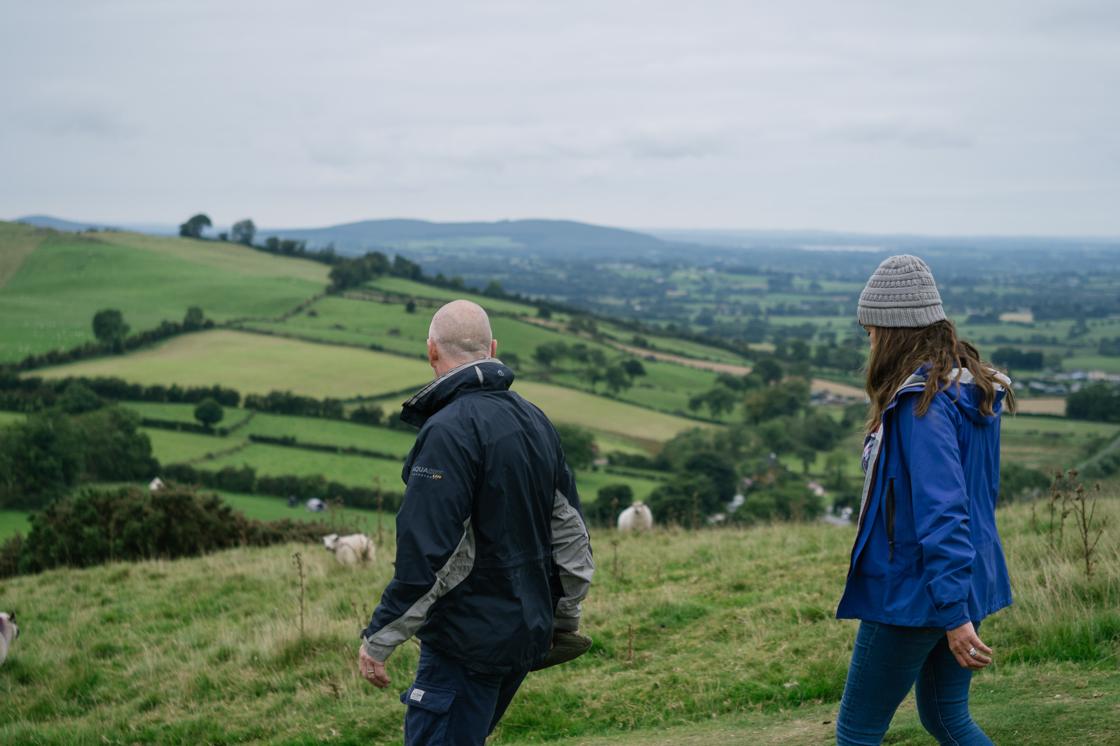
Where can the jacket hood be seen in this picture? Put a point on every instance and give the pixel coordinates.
(966, 395)
(488, 374)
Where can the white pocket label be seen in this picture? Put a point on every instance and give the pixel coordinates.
(417, 695)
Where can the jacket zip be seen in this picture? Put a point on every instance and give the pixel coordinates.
(890, 520)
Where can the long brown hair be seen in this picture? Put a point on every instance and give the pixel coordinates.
(899, 351)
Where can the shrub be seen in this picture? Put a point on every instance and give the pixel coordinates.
(91, 528)
(611, 500)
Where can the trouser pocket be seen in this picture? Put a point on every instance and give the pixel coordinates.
(425, 723)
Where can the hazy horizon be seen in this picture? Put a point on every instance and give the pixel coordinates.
(948, 120)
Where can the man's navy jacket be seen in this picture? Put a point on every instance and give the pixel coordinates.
(492, 551)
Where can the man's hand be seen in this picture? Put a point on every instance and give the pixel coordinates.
(968, 648)
(372, 670)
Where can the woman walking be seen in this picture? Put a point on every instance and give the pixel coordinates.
(927, 565)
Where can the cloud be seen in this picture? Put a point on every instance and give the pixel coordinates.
(902, 134)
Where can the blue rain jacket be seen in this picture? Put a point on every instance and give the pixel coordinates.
(927, 552)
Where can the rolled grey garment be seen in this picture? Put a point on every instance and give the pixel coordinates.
(566, 646)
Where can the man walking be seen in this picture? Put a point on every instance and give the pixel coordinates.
(493, 556)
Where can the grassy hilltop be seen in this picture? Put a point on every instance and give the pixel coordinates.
(721, 636)
(709, 637)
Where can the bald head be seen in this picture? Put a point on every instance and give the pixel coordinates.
(460, 332)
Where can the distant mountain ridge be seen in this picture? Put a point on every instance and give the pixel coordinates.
(533, 235)
(58, 224)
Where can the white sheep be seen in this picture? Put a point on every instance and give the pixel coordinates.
(350, 550)
(635, 518)
(8, 632)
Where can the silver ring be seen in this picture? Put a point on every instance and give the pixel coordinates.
(973, 652)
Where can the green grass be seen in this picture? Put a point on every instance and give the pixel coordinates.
(13, 522)
(605, 415)
(731, 633)
(1050, 442)
(173, 447)
(332, 432)
(16, 244)
(50, 301)
(255, 363)
(9, 418)
(590, 482)
(666, 387)
(357, 471)
(390, 327)
(1085, 361)
(269, 508)
(408, 288)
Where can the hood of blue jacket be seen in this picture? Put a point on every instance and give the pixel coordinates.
(966, 395)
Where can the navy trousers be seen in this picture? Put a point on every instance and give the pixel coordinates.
(451, 705)
(886, 662)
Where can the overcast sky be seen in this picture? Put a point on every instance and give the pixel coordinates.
(950, 117)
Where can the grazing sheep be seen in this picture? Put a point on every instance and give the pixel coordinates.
(635, 518)
(350, 550)
(8, 632)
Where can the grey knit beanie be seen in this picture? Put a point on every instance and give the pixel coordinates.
(901, 292)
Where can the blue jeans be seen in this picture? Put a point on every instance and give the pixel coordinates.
(886, 662)
(451, 705)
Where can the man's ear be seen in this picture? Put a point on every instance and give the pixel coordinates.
(433, 353)
(493, 348)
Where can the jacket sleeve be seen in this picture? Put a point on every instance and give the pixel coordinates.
(435, 542)
(941, 503)
(571, 552)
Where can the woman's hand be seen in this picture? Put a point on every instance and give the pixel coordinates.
(969, 650)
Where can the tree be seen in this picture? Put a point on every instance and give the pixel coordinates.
(1098, 401)
(209, 413)
(611, 500)
(194, 227)
(40, 460)
(77, 398)
(578, 444)
(368, 414)
(617, 379)
(114, 447)
(410, 307)
(243, 231)
(109, 328)
(768, 369)
(774, 401)
(194, 320)
(633, 367)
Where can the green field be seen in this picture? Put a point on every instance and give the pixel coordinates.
(409, 289)
(8, 418)
(332, 432)
(356, 471)
(1051, 443)
(255, 363)
(50, 301)
(171, 412)
(173, 447)
(617, 418)
(268, 508)
(13, 522)
(719, 636)
(590, 482)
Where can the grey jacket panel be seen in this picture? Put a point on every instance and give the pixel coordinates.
(381, 644)
(571, 551)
